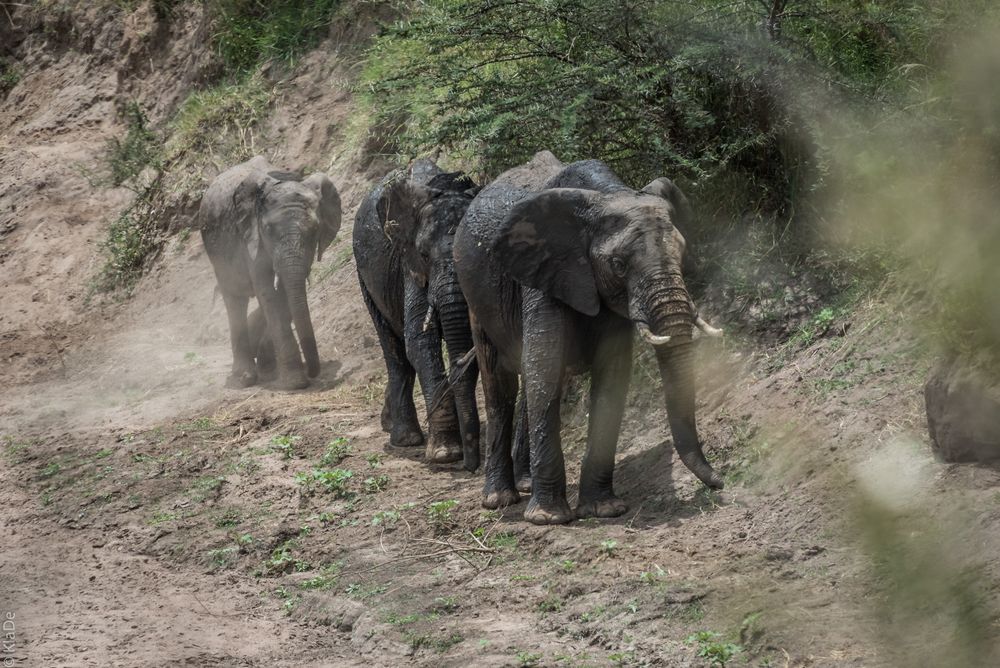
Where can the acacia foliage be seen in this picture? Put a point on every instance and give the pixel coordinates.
(727, 95)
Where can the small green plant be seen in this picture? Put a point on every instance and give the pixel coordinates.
(336, 451)
(223, 557)
(654, 577)
(439, 513)
(51, 470)
(162, 517)
(333, 481)
(621, 658)
(503, 539)
(711, 647)
(375, 484)
(385, 518)
(10, 75)
(609, 546)
(282, 560)
(374, 459)
(325, 580)
(528, 659)
(445, 605)
(230, 518)
(363, 592)
(285, 445)
(550, 603)
(567, 565)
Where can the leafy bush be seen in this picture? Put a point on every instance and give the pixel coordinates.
(132, 239)
(719, 93)
(250, 32)
(139, 149)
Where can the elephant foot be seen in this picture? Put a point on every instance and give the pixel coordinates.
(240, 379)
(292, 382)
(406, 438)
(605, 505)
(552, 511)
(500, 498)
(443, 450)
(524, 484)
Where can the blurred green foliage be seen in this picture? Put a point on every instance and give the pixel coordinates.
(251, 32)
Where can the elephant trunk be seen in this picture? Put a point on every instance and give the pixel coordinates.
(668, 311)
(677, 372)
(294, 280)
(453, 314)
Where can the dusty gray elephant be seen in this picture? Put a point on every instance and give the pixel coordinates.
(403, 236)
(560, 264)
(262, 228)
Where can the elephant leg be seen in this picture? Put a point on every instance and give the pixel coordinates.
(500, 392)
(468, 411)
(543, 363)
(399, 415)
(244, 373)
(262, 346)
(610, 375)
(386, 414)
(522, 450)
(423, 349)
(291, 370)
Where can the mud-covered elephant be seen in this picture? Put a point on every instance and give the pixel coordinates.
(560, 265)
(262, 228)
(403, 236)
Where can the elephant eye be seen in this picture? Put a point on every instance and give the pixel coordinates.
(618, 266)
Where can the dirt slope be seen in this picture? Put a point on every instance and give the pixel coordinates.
(148, 516)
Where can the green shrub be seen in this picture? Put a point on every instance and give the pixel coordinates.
(250, 32)
(710, 91)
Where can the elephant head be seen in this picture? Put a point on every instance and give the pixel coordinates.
(620, 251)
(290, 221)
(420, 215)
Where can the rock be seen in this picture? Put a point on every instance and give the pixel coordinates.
(963, 414)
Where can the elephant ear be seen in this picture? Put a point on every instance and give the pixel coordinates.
(668, 190)
(248, 200)
(328, 211)
(544, 244)
(683, 216)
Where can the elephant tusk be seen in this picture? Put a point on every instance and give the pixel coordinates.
(649, 337)
(429, 317)
(706, 328)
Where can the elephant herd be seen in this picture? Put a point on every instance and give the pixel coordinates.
(544, 273)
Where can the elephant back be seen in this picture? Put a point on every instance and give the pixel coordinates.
(587, 175)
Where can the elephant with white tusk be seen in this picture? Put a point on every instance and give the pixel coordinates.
(560, 264)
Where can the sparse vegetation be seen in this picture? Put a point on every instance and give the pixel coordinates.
(336, 451)
(285, 445)
(710, 646)
(139, 149)
(331, 481)
(440, 515)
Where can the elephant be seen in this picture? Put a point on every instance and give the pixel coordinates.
(261, 229)
(560, 264)
(403, 235)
